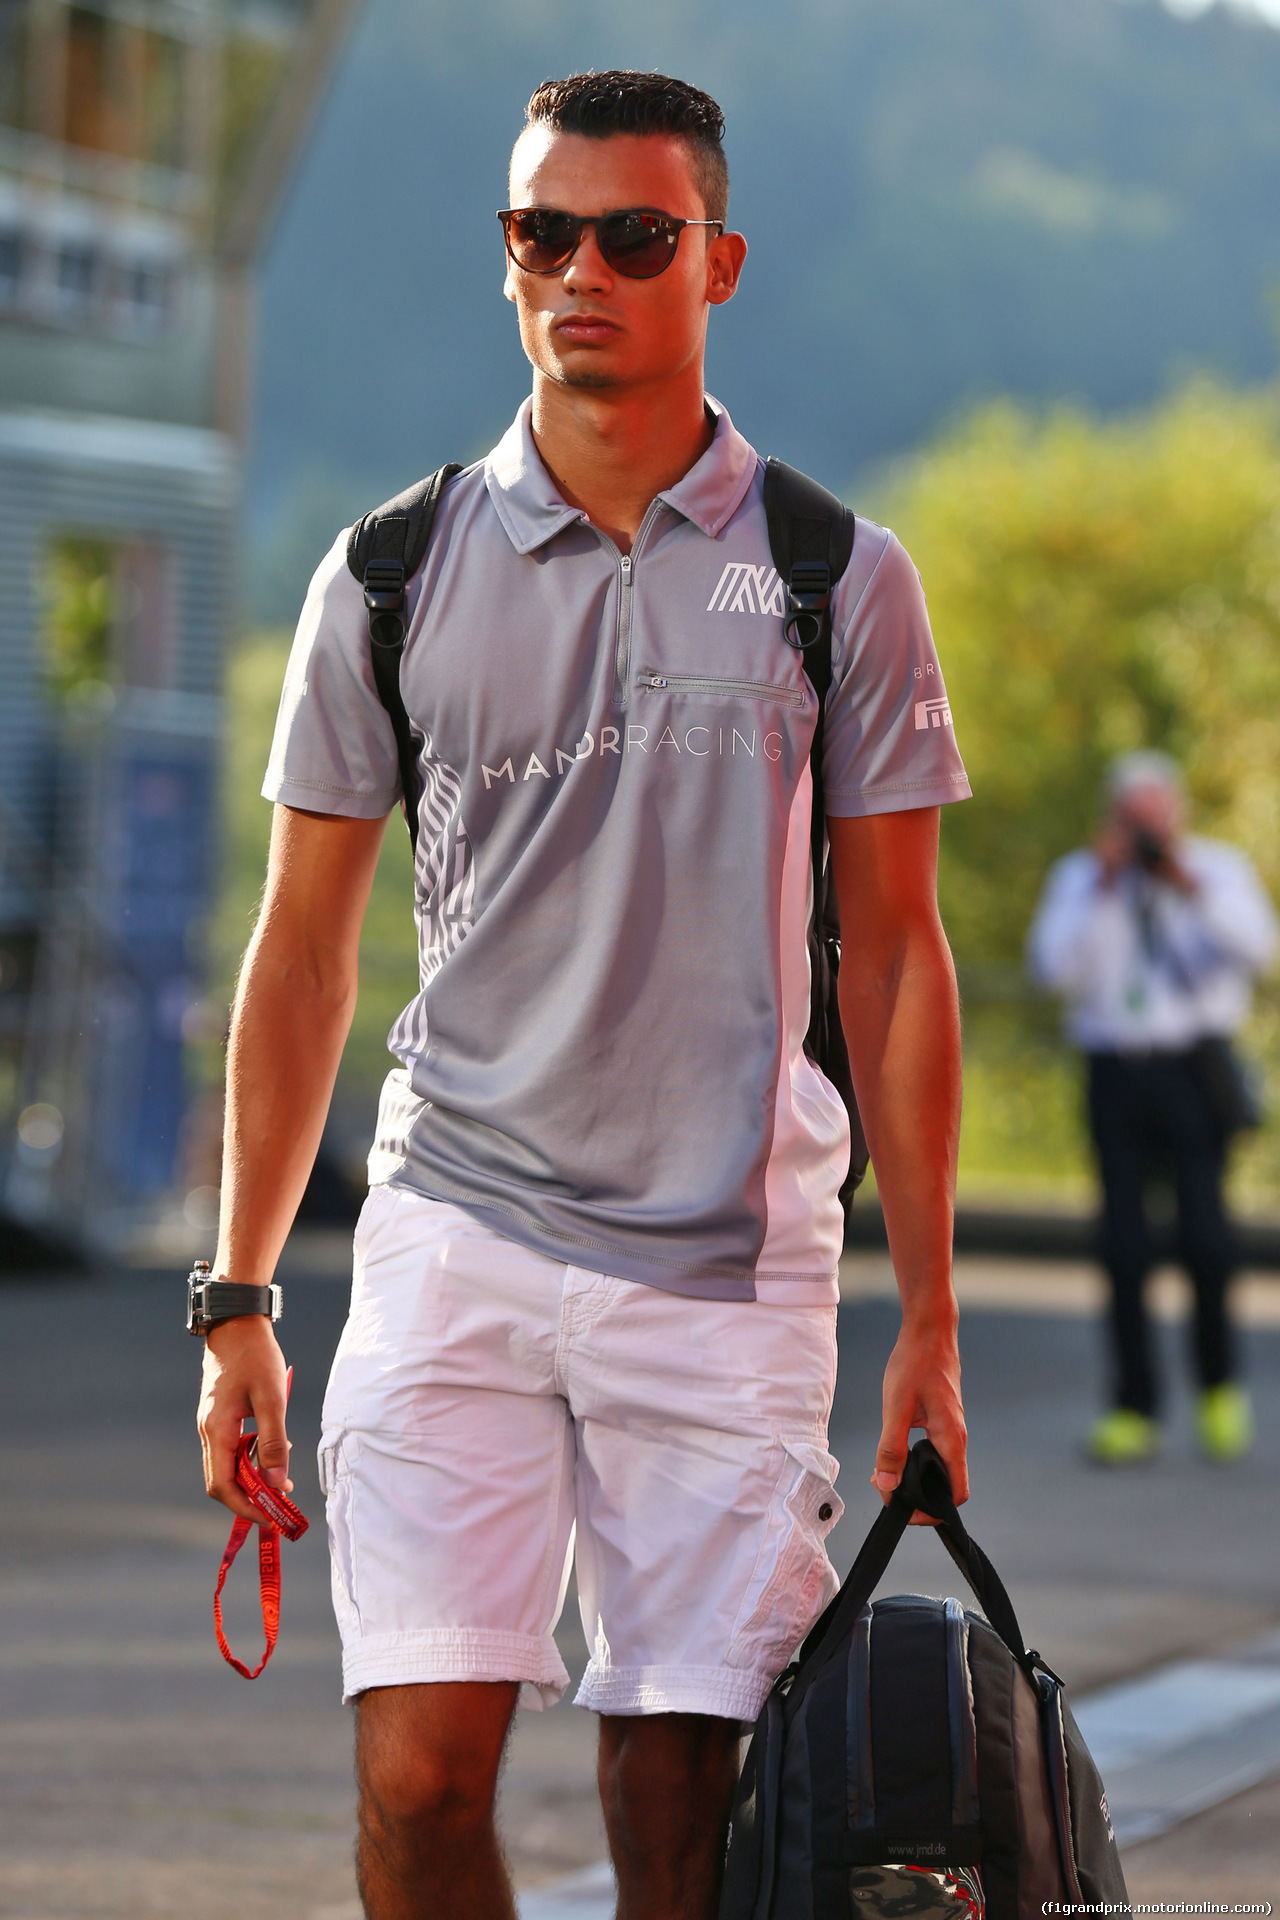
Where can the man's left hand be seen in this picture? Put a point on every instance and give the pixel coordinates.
(922, 1389)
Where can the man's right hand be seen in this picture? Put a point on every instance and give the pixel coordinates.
(1113, 845)
(289, 1025)
(244, 1378)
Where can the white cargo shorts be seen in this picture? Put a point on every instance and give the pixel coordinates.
(487, 1405)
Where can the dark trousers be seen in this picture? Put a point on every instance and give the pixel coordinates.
(1149, 1115)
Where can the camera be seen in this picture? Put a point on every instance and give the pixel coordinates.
(1149, 849)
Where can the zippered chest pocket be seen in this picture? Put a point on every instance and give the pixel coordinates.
(649, 680)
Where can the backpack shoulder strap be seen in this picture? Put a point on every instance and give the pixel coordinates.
(384, 550)
(811, 540)
(811, 536)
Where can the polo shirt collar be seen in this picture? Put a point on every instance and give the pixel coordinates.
(532, 512)
(715, 486)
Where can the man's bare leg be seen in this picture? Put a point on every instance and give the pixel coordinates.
(666, 1786)
(427, 1761)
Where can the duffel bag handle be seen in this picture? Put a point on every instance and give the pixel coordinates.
(925, 1487)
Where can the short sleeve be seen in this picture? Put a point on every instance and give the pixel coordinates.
(334, 750)
(889, 743)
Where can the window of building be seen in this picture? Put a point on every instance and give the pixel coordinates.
(13, 62)
(10, 264)
(88, 120)
(109, 613)
(77, 271)
(75, 275)
(123, 86)
(161, 80)
(143, 297)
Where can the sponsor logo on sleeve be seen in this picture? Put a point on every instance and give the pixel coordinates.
(933, 713)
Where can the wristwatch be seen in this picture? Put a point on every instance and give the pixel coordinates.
(209, 1301)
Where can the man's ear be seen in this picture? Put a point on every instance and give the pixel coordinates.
(725, 257)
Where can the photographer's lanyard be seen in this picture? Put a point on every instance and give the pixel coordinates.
(1157, 942)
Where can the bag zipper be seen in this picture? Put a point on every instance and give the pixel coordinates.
(654, 682)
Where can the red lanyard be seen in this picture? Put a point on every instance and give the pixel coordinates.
(280, 1516)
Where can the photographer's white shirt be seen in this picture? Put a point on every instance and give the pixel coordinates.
(1142, 965)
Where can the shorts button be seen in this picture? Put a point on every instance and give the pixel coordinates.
(824, 1511)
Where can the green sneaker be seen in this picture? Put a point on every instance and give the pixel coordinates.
(1224, 1422)
(1122, 1437)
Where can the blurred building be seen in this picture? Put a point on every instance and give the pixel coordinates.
(143, 147)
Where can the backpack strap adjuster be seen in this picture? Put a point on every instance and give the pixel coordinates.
(808, 597)
(384, 597)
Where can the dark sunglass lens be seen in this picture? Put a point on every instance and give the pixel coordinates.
(542, 239)
(637, 244)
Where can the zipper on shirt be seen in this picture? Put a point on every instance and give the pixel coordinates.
(655, 682)
(622, 655)
(626, 569)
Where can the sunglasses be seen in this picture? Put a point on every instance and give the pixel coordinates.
(635, 241)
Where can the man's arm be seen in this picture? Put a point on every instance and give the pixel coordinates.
(901, 1017)
(293, 1008)
(1234, 906)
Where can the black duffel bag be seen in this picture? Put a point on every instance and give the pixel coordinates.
(915, 1759)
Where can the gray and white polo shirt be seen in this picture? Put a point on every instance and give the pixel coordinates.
(605, 1058)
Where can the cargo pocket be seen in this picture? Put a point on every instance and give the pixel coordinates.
(789, 1585)
(335, 1458)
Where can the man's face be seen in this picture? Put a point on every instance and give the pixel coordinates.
(590, 326)
(1153, 808)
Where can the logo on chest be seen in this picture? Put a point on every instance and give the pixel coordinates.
(743, 588)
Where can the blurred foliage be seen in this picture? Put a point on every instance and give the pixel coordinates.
(1097, 587)
(388, 953)
(1022, 1134)
(78, 609)
(1094, 587)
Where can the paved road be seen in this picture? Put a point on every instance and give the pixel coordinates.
(139, 1776)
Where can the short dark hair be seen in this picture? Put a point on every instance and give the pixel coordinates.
(598, 104)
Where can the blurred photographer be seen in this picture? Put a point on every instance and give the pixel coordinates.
(1153, 937)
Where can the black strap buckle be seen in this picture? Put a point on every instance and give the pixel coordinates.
(808, 597)
(384, 597)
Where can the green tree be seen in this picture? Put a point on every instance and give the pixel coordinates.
(1094, 587)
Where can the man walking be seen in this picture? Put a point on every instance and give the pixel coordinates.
(1153, 937)
(595, 1279)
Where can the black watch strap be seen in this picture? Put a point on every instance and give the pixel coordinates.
(209, 1301)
